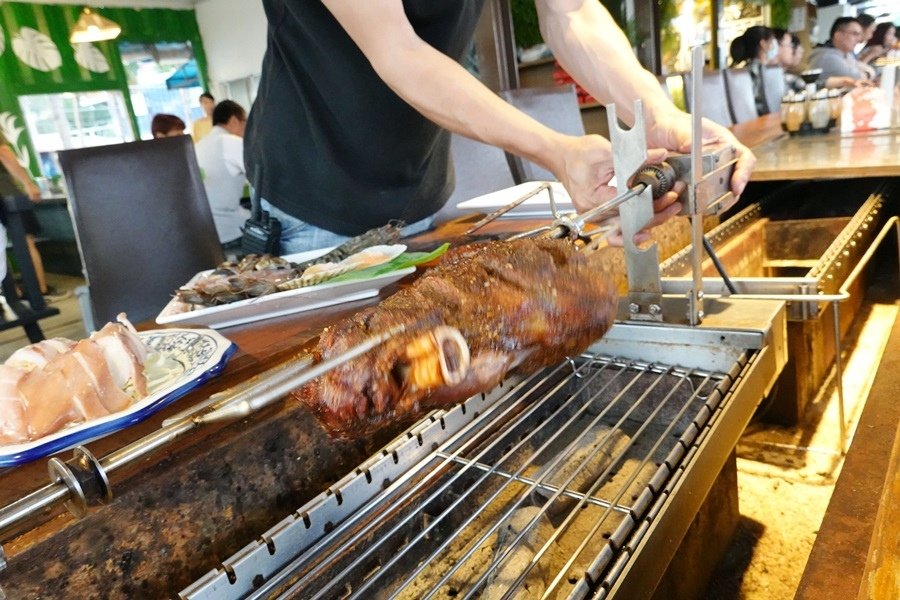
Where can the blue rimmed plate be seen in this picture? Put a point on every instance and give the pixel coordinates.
(180, 360)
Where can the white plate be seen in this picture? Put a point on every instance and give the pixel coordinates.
(197, 355)
(536, 206)
(279, 303)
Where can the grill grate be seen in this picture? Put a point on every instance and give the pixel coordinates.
(540, 496)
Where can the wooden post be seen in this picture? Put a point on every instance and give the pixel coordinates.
(646, 17)
(496, 46)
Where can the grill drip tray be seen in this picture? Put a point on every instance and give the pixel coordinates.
(766, 256)
(547, 487)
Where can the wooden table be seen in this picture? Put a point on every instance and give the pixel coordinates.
(829, 156)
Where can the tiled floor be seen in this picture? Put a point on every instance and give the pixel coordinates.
(66, 324)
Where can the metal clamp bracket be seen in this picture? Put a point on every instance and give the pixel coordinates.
(642, 264)
(85, 479)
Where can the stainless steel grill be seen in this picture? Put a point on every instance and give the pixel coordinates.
(547, 487)
(789, 257)
(580, 480)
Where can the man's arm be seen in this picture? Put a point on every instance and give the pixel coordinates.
(233, 155)
(592, 48)
(447, 94)
(11, 164)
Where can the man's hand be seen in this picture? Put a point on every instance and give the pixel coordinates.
(586, 168)
(673, 131)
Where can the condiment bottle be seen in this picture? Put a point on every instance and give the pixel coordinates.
(785, 103)
(834, 99)
(796, 113)
(819, 110)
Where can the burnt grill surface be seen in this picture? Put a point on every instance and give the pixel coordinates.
(547, 496)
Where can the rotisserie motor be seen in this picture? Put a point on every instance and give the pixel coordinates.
(486, 309)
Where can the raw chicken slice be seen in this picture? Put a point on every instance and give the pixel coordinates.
(35, 356)
(92, 384)
(13, 421)
(47, 399)
(125, 355)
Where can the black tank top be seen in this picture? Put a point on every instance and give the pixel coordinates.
(327, 141)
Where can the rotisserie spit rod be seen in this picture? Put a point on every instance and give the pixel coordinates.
(659, 178)
(522, 304)
(435, 356)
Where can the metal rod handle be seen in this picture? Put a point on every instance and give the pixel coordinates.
(291, 379)
(32, 504)
(270, 386)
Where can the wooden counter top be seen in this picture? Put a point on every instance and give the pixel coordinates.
(856, 554)
(829, 156)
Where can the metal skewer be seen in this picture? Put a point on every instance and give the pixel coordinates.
(508, 207)
(573, 225)
(271, 389)
(83, 480)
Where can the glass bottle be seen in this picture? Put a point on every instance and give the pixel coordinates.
(819, 110)
(796, 113)
(834, 100)
(785, 104)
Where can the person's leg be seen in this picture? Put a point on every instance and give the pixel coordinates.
(37, 262)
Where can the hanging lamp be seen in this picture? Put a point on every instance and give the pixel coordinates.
(92, 27)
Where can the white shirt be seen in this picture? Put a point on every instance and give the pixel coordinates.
(220, 156)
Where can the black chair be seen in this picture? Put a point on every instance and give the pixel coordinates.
(741, 98)
(479, 169)
(142, 222)
(554, 106)
(774, 87)
(715, 98)
(24, 314)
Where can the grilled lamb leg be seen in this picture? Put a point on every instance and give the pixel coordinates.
(521, 304)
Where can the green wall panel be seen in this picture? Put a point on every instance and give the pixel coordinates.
(37, 58)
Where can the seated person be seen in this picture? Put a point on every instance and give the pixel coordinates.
(883, 40)
(753, 50)
(835, 57)
(220, 156)
(164, 125)
(868, 25)
(790, 54)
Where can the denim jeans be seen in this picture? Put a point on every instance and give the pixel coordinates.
(300, 236)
